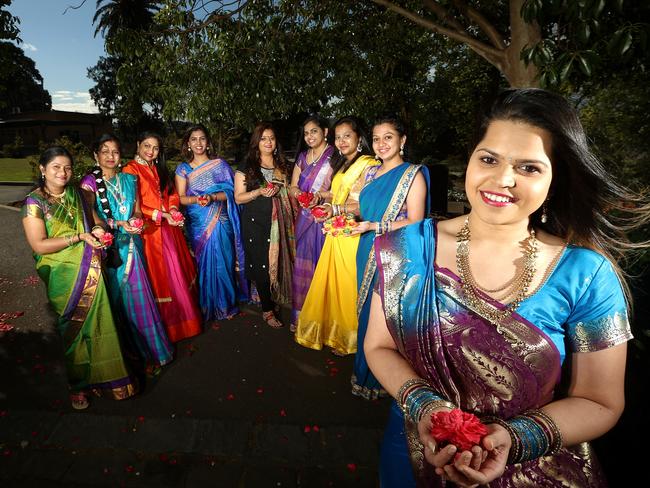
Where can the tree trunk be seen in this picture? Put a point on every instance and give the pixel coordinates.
(522, 34)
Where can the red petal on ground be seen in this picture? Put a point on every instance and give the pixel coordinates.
(6, 452)
(4, 413)
(141, 418)
(163, 457)
(216, 326)
(129, 469)
(4, 327)
(260, 391)
(188, 411)
(34, 433)
(230, 397)
(316, 428)
(283, 413)
(352, 467)
(307, 429)
(172, 461)
(106, 471)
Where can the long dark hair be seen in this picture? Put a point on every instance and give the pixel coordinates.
(338, 161)
(396, 123)
(103, 139)
(47, 157)
(186, 151)
(252, 162)
(585, 205)
(166, 181)
(321, 122)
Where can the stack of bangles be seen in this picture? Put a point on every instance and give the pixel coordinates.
(533, 434)
(339, 209)
(417, 398)
(69, 240)
(383, 226)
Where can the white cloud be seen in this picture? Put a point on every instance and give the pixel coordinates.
(29, 47)
(73, 101)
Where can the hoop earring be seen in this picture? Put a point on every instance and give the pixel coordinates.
(544, 218)
(359, 147)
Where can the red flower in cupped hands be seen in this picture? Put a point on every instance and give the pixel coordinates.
(305, 198)
(459, 428)
(177, 216)
(270, 186)
(106, 239)
(203, 200)
(136, 222)
(318, 212)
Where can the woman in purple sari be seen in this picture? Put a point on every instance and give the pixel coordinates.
(479, 313)
(205, 186)
(311, 174)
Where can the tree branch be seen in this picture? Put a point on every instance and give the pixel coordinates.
(486, 26)
(443, 14)
(492, 54)
(72, 7)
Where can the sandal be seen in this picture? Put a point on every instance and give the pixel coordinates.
(79, 401)
(271, 320)
(152, 370)
(293, 328)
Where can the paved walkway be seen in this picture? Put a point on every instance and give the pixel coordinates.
(242, 405)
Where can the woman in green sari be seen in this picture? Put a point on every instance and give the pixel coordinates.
(68, 252)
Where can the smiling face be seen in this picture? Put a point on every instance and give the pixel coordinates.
(314, 135)
(346, 140)
(198, 143)
(267, 142)
(386, 142)
(108, 156)
(509, 173)
(57, 173)
(149, 149)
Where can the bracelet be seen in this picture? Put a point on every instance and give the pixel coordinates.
(96, 227)
(408, 386)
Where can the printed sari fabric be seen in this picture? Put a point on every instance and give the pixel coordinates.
(328, 316)
(309, 233)
(171, 270)
(128, 284)
(486, 372)
(382, 198)
(77, 293)
(214, 232)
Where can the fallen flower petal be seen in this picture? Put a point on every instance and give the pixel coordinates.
(352, 467)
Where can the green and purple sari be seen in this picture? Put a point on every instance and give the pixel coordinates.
(77, 293)
(580, 307)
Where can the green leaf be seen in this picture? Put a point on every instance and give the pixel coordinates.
(598, 7)
(564, 72)
(620, 42)
(584, 65)
(583, 32)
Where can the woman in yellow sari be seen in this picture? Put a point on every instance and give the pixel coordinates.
(328, 316)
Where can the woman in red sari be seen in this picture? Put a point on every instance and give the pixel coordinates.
(170, 267)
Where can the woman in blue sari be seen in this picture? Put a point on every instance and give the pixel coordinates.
(205, 185)
(479, 312)
(395, 194)
(115, 198)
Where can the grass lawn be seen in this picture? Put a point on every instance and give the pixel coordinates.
(15, 169)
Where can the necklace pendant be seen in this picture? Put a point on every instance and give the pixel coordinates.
(122, 209)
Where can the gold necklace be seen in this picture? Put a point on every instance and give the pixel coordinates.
(60, 199)
(520, 285)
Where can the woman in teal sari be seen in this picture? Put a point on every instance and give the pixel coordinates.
(68, 254)
(206, 189)
(395, 194)
(115, 196)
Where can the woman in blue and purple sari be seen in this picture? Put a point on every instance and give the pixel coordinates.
(485, 312)
(312, 173)
(205, 185)
(115, 198)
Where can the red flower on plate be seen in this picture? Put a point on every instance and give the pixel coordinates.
(136, 222)
(177, 216)
(462, 429)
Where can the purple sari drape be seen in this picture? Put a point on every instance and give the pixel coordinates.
(466, 360)
(309, 236)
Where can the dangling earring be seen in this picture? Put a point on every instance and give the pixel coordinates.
(401, 150)
(544, 217)
(275, 151)
(359, 148)
(96, 162)
(340, 153)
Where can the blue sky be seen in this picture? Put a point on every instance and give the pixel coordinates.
(62, 46)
